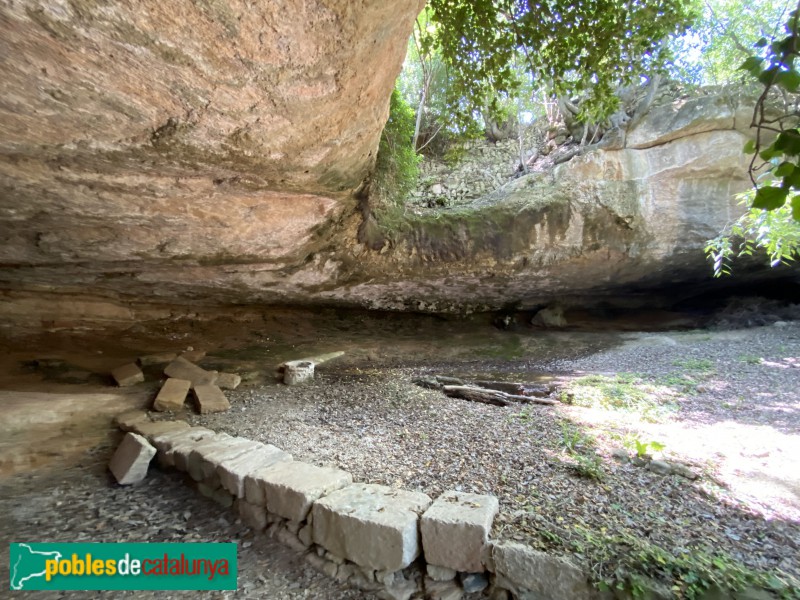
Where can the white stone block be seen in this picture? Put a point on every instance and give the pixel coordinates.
(204, 459)
(547, 576)
(372, 525)
(172, 395)
(150, 429)
(252, 515)
(291, 488)
(181, 451)
(130, 461)
(128, 375)
(210, 399)
(232, 472)
(166, 440)
(180, 368)
(455, 528)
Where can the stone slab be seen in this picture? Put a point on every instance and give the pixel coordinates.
(171, 443)
(232, 472)
(164, 442)
(172, 395)
(150, 429)
(127, 420)
(157, 359)
(547, 577)
(228, 381)
(252, 515)
(455, 528)
(180, 368)
(128, 375)
(210, 399)
(203, 459)
(131, 459)
(291, 488)
(374, 526)
(179, 454)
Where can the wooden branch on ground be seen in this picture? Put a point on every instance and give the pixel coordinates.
(495, 397)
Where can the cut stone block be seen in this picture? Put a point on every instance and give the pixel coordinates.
(548, 577)
(455, 528)
(180, 368)
(180, 452)
(252, 515)
(165, 441)
(127, 420)
(130, 461)
(228, 381)
(298, 371)
(291, 488)
(372, 525)
(210, 399)
(203, 460)
(157, 359)
(441, 573)
(232, 472)
(150, 429)
(172, 395)
(216, 494)
(128, 375)
(168, 443)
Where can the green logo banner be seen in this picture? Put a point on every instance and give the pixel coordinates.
(123, 566)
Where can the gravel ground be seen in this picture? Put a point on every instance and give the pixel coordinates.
(83, 504)
(384, 429)
(736, 422)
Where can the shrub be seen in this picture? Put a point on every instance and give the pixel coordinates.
(397, 164)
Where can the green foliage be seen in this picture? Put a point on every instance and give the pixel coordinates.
(569, 46)
(626, 562)
(580, 448)
(776, 149)
(625, 392)
(642, 447)
(397, 164)
(711, 52)
(774, 232)
(588, 467)
(698, 365)
(573, 439)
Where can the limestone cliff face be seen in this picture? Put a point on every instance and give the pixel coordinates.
(140, 139)
(203, 152)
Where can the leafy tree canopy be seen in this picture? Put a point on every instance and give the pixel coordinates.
(572, 46)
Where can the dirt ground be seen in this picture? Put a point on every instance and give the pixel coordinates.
(725, 403)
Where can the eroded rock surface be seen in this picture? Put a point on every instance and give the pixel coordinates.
(216, 152)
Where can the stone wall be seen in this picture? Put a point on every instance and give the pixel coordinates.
(396, 543)
(392, 542)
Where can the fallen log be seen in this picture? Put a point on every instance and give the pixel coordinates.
(498, 398)
(475, 394)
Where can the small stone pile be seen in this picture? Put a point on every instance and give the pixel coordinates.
(392, 542)
(182, 376)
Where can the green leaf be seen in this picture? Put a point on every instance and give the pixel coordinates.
(767, 77)
(788, 142)
(752, 65)
(769, 153)
(750, 147)
(784, 169)
(769, 198)
(796, 208)
(788, 80)
(761, 43)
